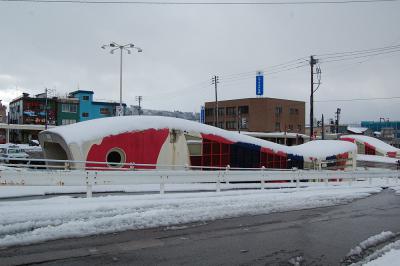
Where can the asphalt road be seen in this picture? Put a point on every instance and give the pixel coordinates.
(321, 236)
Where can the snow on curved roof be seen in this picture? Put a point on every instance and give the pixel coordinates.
(374, 142)
(274, 134)
(98, 128)
(323, 148)
(376, 159)
(357, 130)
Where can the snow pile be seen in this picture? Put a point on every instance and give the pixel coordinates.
(388, 255)
(396, 189)
(391, 257)
(370, 242)
(98, 128)
(24, 222)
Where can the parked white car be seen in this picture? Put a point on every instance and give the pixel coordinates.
(7, 154)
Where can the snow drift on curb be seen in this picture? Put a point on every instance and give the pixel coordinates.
(25, 222)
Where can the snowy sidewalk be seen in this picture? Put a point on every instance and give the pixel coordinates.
(31, 221)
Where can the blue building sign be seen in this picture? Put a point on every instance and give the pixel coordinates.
(202, 115)
(259, 84)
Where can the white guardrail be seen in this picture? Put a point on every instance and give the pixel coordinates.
(19, 174)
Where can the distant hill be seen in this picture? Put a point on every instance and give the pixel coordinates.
(134, 110)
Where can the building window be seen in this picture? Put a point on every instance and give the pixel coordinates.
(290, 127)
(194, 145)
(230, 124)
(221, 124)
(230, 111)
(209, 111)
(85, 98)
(243, 123)
(278, 126)
(84, 114)
(68, 121)
(69, 108)
(221, 111)
(278, 110)
(243, 109)
(105, 111)
(116, 157)
(294, 111)
(299, 128)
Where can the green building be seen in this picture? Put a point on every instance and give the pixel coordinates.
(67, 111)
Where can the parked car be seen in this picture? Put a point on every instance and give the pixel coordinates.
(7, 154)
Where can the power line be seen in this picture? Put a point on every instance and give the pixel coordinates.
(177, 3)
(252, 75)
(295, 64)
(277, 66)
(353, 57)
(339, 54)
(360, 99)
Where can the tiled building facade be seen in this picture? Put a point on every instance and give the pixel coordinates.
(258, 115)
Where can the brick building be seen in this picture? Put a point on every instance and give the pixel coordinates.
(258, 115)
(3, 113)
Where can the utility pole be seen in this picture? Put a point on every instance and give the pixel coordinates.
(338, 110)
(45, 110)
(313, 61)
(139, 99)
(323, 127)
(215, 81)
(239, 120)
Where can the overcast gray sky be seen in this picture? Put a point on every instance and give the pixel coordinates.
(58, 46)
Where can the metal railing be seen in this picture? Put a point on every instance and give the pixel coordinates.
(161, 175)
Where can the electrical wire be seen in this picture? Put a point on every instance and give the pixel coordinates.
(356, 52)
(230, 80)
(359, 99)
(277, 66)
(181, 3)
(354, 57)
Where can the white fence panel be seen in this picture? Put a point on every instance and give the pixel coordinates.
(217, 175)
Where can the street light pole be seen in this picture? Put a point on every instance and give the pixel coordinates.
(120, 86)
(127, 47)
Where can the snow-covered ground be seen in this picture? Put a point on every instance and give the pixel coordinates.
(31, 221)
(392, 257)
(387, 255)
(370, 242)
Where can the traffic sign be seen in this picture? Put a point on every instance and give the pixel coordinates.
(259, 84)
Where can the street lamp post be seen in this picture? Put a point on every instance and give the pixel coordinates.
(125, 47)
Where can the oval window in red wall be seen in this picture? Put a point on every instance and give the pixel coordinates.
(116, 157)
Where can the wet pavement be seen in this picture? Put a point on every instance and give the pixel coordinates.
(321, 236)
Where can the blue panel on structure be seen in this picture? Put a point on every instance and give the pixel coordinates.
(245, 155)
(331, 158)
(202, 115)
(259, 85)
(295, 161)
